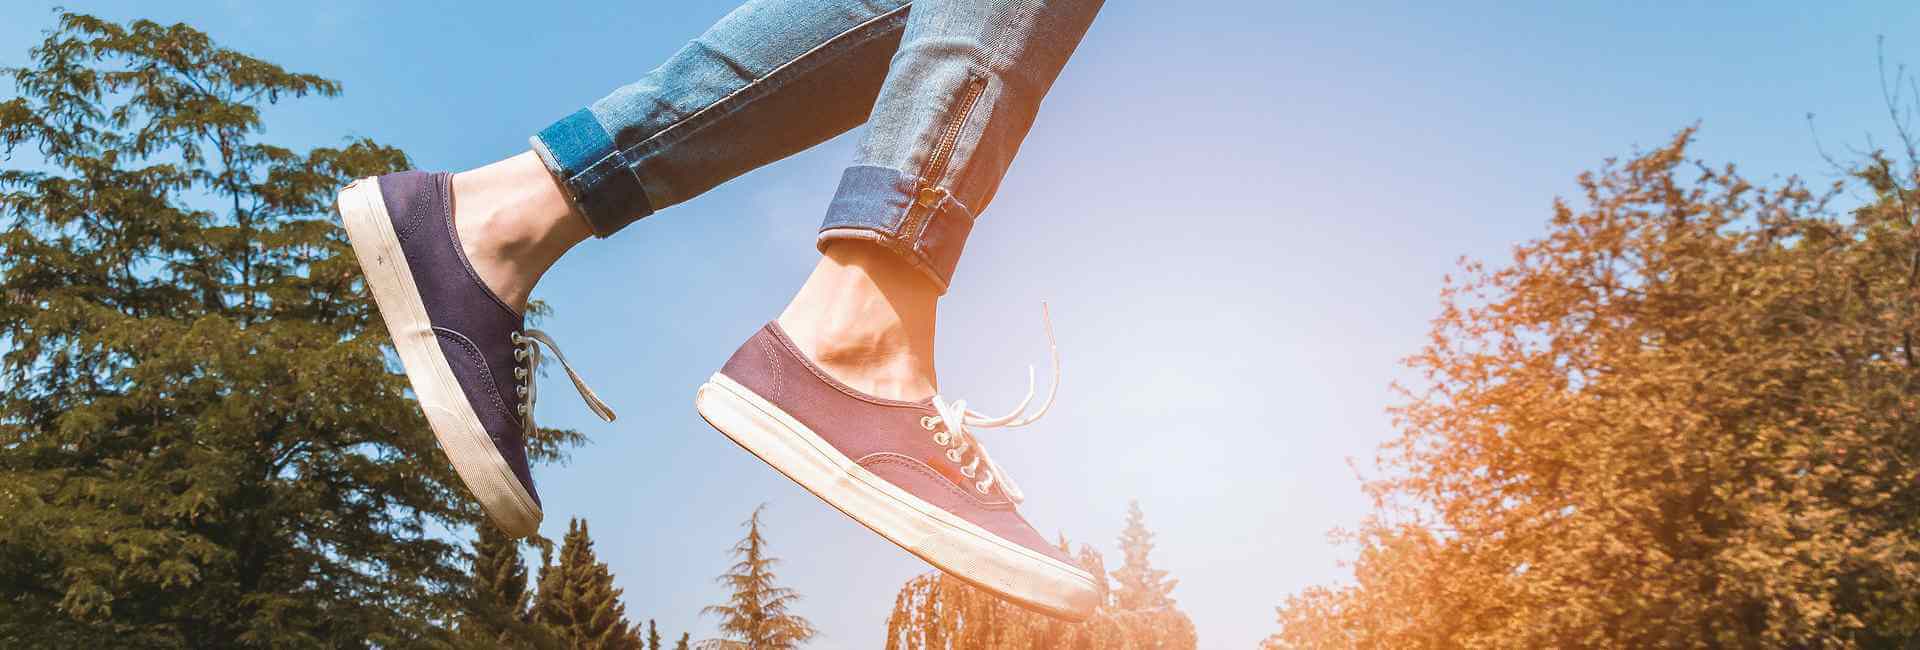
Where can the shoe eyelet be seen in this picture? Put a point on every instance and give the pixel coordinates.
(942, 438)
(926, 422)
(967, 471)
(522, 409)
(979, 487)
(953, 455)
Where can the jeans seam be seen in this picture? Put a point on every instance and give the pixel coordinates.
(544, 151)
(958, 115)
(720, 108)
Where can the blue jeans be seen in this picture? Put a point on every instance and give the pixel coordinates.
(948, 90)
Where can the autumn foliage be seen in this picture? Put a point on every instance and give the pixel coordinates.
(1686, 417)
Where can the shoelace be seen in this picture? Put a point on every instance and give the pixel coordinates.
(959, 421)
(526, 347)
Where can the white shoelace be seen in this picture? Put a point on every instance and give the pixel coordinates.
(957, 435)
(526, 347)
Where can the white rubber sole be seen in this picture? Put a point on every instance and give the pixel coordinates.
(959, 547)
(454, 423)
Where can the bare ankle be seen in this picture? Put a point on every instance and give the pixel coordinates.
(867, 318)
(513, 224)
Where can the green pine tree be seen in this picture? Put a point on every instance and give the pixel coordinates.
(653, 635)
(756, 612)
(202, 443)
(1137, 585)
(499, 604)
(578, 601)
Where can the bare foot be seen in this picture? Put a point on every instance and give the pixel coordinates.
(513, 224)
(866, 317)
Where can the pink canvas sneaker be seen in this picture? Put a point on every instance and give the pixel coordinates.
(910, 471)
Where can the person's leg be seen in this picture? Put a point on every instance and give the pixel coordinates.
(839, 394)
(514, 223)
(450, 260)
(768, 80)
(960, 96)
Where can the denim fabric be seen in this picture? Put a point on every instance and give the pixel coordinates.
(951, 87)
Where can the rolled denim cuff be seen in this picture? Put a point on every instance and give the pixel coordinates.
(880, 205)
(594, 173)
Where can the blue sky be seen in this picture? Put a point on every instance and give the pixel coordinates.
(1241, 213)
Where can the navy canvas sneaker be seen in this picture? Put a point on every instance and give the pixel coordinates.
(910, 471)
(468, 356)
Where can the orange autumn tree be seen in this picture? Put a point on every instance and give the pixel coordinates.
(1689, 416)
